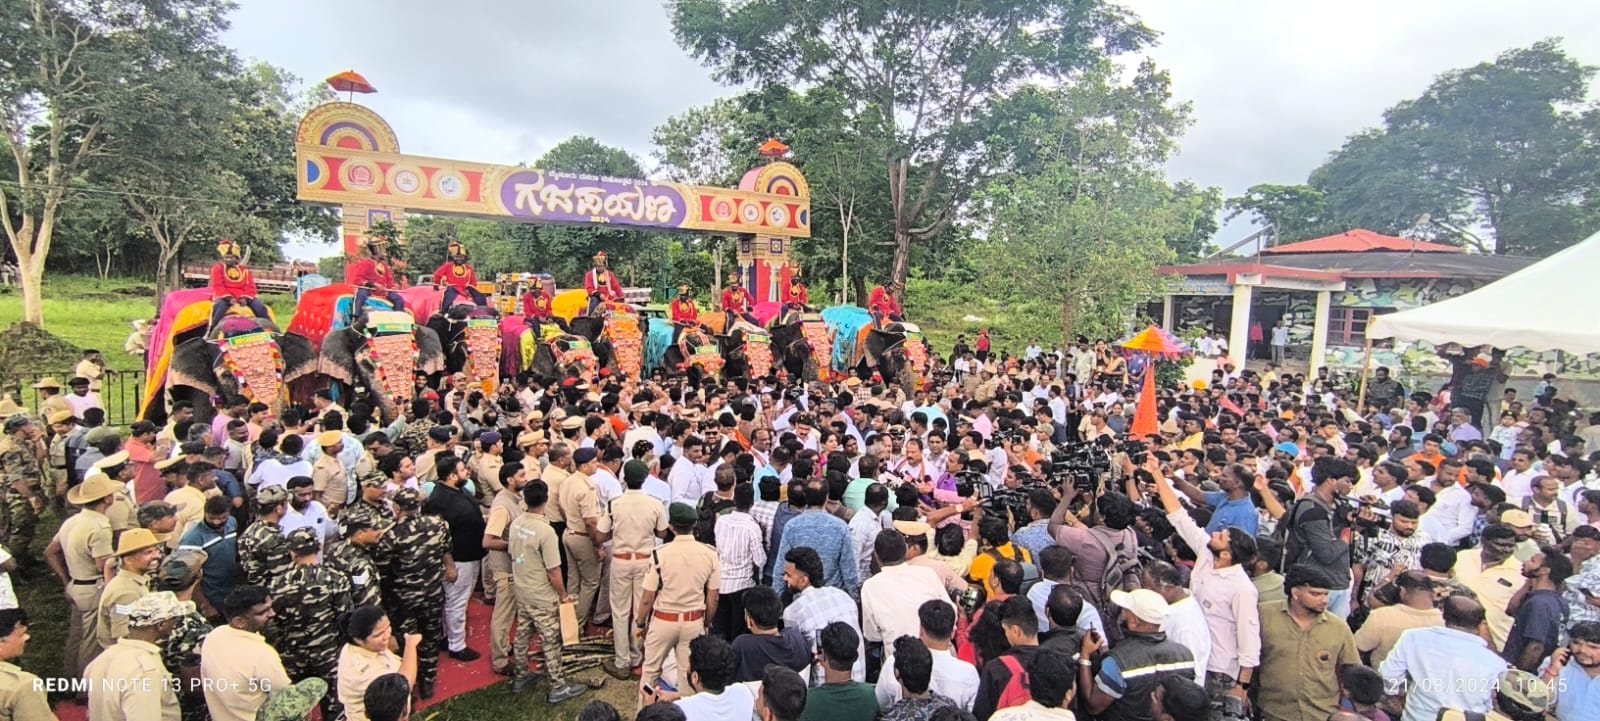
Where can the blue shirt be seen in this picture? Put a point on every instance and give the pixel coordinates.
(830, 538)
(1035, 537)
(1577, 695)
(1239, 514)
(229, 485)
(221, 569)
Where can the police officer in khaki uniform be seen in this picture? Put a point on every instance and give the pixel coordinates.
(632, 523)
(559, 467)
(122, 513)
(503, 509)
(129, 680)
(21, 693)
(61, 456)
(51, 399)
(680, 595)
(327, 475)
(580, 504)
(538, 591)
(78, 554)
(139, 555)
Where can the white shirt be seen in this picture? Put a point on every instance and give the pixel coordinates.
(1440, 668)
(890, 600)
(273, 472)
(864, 528)
(1032, 711)
(1033, 351)
(1518, 484)
(8, 596)
(657, 489)
(952, 678)
(606, 484)
(315, 516)
(1451, 517)
(1186, 626)
(737, 702)
(687, 481)
(1088, 618)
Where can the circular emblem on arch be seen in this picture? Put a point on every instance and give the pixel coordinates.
(406, 179)
(750, 213)
(449, 185)
(777, 216)
(722, 210)
(360, 176)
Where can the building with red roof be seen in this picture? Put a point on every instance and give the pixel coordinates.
(1324, 289)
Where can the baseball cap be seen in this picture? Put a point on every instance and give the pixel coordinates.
(1524, 690)
(584, 455)
(1516, 518)
(1288, 448)
(1148, 605)
(489, 438)
(682, 515)
(153, 608)
(180, 569)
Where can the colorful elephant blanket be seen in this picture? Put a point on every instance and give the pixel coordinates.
(847, 322)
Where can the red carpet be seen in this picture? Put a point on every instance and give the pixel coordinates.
(455, 677)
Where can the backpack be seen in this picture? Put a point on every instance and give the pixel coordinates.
(1292, 547)
(1122, 572)
(1030, 571)
(1016, 691)
(707, 510)
(1561, 512)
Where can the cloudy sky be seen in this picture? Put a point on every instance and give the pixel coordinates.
(1275, 85)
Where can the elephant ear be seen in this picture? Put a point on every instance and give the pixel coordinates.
(299, 359)
(430, 352)
(194, 365)
(338, 357)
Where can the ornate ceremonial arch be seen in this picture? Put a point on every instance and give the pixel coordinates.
(349, 156)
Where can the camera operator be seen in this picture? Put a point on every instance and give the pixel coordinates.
(1386, 547)
(1315, 523)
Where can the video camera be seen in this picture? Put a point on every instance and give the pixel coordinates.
(1082, 465)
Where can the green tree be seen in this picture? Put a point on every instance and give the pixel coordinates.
(565, 251)
(1292, 212)
(1503, 145)
(927, 78)
(1090, 222)
(67, 69)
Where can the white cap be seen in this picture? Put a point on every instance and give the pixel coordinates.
(1148, 605)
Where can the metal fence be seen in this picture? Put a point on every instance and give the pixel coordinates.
(120, 393)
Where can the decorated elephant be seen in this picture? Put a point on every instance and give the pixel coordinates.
(581, 353)
(801, 348)
(380, 358)
(471, 336)
(240, 357)
(895, 353)
(696, 355)
(747, 352)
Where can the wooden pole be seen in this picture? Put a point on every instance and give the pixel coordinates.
(1366, 366)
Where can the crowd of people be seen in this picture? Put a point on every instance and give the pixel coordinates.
(993, 547)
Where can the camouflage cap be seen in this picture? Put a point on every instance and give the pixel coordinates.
(272, 496)
(18, 422)
(304, 539)
(153, 608)
(293, 703)
(372, 479)
(180, 569)
(353, 524)
(100, 433)
(408, 498)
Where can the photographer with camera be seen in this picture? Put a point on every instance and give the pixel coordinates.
(1315, 527)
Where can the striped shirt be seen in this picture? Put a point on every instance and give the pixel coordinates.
(739, 549)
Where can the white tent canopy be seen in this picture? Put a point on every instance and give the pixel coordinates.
(1515, 311)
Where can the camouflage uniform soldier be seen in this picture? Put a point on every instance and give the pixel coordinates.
(308, 599)
(413, 581)
(351, 555)
(376, 512)
(180, 650)
(263, 554)
(22, 457)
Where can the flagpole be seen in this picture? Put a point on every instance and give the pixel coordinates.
(1366, 365)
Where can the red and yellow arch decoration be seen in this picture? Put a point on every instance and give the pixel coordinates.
(349, 156)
